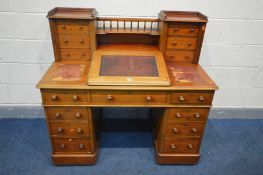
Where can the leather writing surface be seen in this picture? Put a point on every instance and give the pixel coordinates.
(126, 65)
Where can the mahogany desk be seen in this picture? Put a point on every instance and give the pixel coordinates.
(179, 108)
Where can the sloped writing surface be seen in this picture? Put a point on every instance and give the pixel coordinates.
(128, 65)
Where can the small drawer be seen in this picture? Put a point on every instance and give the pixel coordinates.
(183, 29)
(59, 97)
(181, 43)
(200, 98)
(67, 113)
(179, 56)
(71, 145)
(63, 129)
(187, 114)
(65, 27)
(127, 97)
(193, 129)
(180, 145)
(75, 54)
(73, 41)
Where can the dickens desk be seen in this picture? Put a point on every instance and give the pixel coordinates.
(126, 62)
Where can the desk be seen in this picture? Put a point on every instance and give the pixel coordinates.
(72, 106)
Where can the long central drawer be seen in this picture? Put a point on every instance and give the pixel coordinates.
(128, 97)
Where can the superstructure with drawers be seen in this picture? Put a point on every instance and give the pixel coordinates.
(179, 107)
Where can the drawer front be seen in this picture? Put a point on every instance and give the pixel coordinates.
(183, 30)
(201, 98)
(60, 129)
(194, 129)
(67, 113)
(181, 145)
(65, 27)
(73, 41)
(187, 114)
(126, 97)
(53, 97)
(179, 56)
(75, 54)
(71, 145)
(181, 43)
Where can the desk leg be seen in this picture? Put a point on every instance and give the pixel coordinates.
(167, 149)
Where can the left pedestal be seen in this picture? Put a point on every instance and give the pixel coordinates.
(72, 127)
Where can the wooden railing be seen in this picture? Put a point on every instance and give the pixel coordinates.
(127, 25)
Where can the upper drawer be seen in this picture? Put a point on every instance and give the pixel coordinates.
(64, 97)
(75, 54)
(73, 41)
(181, 43)
(67, 113)
(183, 29)
(73, 27)
(200, 98)
(127, 97)
(187, 114)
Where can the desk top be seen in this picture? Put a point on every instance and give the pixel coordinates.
(73, 75)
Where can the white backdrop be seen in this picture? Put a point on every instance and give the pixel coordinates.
(232, 53)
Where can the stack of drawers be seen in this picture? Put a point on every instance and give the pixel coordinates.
(179, 132)
(70, 125)
(73, 39)
(182, 42)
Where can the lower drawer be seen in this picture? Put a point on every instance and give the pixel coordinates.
(187, 114)
(179, 56)
(71, 145)
(180, 145)
(63, 129)
(75, 54)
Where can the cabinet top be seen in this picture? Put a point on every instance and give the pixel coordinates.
(72, 13)
(182, 16)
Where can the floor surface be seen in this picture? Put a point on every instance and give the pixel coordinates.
(230, 147)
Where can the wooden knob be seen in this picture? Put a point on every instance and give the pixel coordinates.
(197, 115)
(190, 146)
(201, 98)
(63, 27)
(59, 130)
(171, 56)
(189, 43)
(65, 41)
(176, 29)
(194, 130)
(181, 98)
(192, 30)
(57, 115)
(178, 115)
(81, 146)
(75, 98)
(187, 57)
(173, 146)
(82, 54)
(109, 97)
(62, 146)
(67, 54)
(80, 27)
(79, 130)
(174, 43)
(82, 41)
(54, 98)
(148, 98)
(175, 130)
(78, 115)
